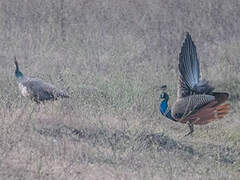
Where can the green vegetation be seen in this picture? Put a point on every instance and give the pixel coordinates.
(112, 57)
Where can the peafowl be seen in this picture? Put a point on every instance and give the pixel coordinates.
(196, 102)
(36, 89)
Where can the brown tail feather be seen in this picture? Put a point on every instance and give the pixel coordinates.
(214, 113)
(223, 111)
(208, 113)
(205, 112)
(220, 97)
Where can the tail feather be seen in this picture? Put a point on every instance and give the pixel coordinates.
(222, 110)
(207, 114)
(220, 97)
(211, 112)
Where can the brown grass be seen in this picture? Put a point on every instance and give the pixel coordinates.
(112, 58)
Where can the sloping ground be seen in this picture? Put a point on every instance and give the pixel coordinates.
(40, 143)
(112, 57)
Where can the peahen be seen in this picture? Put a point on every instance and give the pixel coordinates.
(37, 89)
(196, 102)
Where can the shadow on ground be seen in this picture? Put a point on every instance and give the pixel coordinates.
(142, 142)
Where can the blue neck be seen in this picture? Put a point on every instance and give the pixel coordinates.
(164, 109)
(18, 74)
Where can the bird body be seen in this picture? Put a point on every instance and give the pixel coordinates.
(37, 89)
(23, 90)
(186, 105)
(196, 102)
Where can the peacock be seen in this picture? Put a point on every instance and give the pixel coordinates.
(196, 103)
(36, 89)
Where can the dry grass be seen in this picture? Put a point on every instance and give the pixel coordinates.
(112, 58)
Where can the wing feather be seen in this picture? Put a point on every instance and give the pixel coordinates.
(189, 71)
(190, 104)
(208, 113)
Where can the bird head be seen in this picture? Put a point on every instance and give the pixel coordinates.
(164, 95)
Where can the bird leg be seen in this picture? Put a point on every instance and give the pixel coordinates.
(190, 125)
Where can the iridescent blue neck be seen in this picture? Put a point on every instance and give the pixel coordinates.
(164, 108)
(18, 73)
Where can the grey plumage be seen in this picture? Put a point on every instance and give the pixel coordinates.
(37, 89)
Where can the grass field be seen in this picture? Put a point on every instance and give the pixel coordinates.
(112, 57)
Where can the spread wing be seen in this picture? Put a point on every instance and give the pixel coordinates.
(189, 71)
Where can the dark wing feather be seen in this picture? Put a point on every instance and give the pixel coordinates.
(188, 67)
(189, 76)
